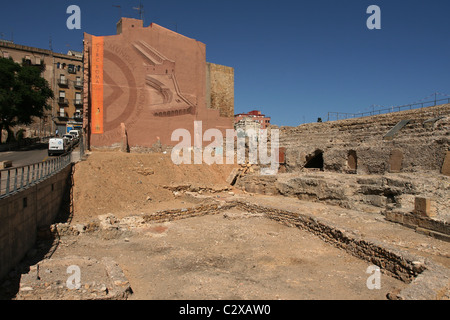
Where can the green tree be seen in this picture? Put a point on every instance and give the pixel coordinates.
(24, 94)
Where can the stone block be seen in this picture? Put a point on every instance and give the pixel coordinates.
(282, 155)
(5, 164)
(446, 165)
(422, 207)
(124, 147)
(233, 176)
(395, 160)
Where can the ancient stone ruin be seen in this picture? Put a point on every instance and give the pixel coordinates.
(357, 164)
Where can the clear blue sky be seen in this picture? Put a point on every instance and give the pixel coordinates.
(294, 60)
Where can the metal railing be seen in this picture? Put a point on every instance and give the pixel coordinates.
(18, 178)
(342, 115)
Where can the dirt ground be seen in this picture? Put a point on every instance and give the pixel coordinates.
(126, 184)
(229, 255)
(233, 256)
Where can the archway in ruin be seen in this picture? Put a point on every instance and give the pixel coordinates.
(315, 160)
(352, 161)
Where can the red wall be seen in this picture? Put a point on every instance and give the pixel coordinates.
(154, 81)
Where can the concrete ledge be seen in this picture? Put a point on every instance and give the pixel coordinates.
(434, 234)
(5, 164)
(425, 225)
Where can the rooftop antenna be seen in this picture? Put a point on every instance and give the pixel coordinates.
(140, 9)
(120, 10)
(50, 43)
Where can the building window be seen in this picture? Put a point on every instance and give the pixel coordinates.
(27, 60)
(78, 100)
(62, 80)
(5, 54)
(72, 68)
(38, 61)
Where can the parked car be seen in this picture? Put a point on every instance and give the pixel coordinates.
(75, 137)
(76, 133)
(70, 139)
(58, 146)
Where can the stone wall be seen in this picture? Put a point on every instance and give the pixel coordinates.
(419, 146)
(23, 213)
(220, 89)
(358, 192)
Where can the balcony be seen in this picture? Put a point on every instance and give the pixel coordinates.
(78, 118)
(78, 102)
(78, 85)
(63, 101)
(63, 82)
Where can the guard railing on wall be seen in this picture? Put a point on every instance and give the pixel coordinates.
(332, 116)
(18, 178)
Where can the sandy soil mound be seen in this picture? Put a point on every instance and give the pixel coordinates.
(124, 184)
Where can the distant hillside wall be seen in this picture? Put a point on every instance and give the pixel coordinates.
(358, 145)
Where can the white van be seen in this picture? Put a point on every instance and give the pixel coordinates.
(57, 146)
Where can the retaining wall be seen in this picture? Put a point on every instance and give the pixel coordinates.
(22, 213)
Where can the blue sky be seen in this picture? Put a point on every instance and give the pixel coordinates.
(294, 60)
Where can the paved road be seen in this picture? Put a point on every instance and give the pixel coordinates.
(26, 156)
(16, 179)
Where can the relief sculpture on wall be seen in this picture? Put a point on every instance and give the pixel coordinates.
(164, 95)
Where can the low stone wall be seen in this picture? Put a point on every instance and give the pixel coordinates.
(170, 215)
(23, 213)
(398, 265)
(437, 229)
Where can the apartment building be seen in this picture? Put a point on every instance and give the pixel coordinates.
(64, 73)
(254, 115)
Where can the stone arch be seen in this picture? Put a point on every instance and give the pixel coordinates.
(352, 161)
(315, 160)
